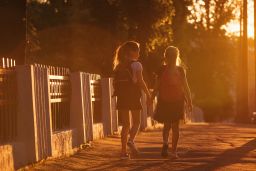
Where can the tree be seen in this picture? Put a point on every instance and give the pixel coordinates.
(99, 24)
(215, 54)
(83, 35)
(13, 32)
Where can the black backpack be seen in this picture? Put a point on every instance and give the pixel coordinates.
(123, 81)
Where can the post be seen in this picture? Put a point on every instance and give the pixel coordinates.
(106, 106)
(87, 103)
(144, 112)
(243, 111)
(115, 125)
(33, 115)
(25, 117)
(255, 54)
(77, 109)
(42, 111)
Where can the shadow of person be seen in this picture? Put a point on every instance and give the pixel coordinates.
(228, 157)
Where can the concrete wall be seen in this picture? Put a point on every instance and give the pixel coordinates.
(98, 131)
(62, 143)
(6, 158)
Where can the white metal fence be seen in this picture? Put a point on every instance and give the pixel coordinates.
(59, 97)
(96, 97)
(8, 103)
(47, 111)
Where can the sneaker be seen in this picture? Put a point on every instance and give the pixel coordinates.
(174, 155)
(132, 147)
(125, 156)
(164, 152)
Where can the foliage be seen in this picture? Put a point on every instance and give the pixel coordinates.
(212, 58)
(91, 22)
(83, 34)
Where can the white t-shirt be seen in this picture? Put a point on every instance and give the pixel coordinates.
(136, 68)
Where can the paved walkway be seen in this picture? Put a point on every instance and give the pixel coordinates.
(202, 147)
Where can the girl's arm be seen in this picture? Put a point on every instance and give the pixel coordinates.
(156, 88)
(187, 92)
(142, 84)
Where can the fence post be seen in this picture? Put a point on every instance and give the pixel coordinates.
(144, 112)
(33, 115)
(113, 107)
(107, 106)
(43, 122)
(25, 118)
(77, 108)
(87, 106)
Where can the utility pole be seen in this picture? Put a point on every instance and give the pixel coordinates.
(243, 111)
(255, 53)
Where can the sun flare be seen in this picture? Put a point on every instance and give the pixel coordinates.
(233, 28)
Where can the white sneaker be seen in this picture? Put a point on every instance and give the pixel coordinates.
(125, 156)
(133, 147)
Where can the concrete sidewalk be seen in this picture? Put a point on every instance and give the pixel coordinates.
(202, 147)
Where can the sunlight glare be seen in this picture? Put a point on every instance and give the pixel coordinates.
(233, 28)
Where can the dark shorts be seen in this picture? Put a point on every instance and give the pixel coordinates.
(168, 112)
(129, 103)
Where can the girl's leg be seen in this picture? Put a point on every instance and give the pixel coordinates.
(125, 117)
(175, 136)
(166, 132)
(134, 130)
(136, 118)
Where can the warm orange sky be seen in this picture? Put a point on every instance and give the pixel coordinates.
(233, 28)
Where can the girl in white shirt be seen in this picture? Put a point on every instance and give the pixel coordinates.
(128, 83)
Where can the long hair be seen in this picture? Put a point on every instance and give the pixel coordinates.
(122, 52)
(172, 57)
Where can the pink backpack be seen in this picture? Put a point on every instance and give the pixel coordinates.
(171, 85)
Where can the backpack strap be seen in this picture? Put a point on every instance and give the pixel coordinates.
(164, 67)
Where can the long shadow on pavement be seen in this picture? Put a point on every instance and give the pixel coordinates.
(227, 158)
(149, 157)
